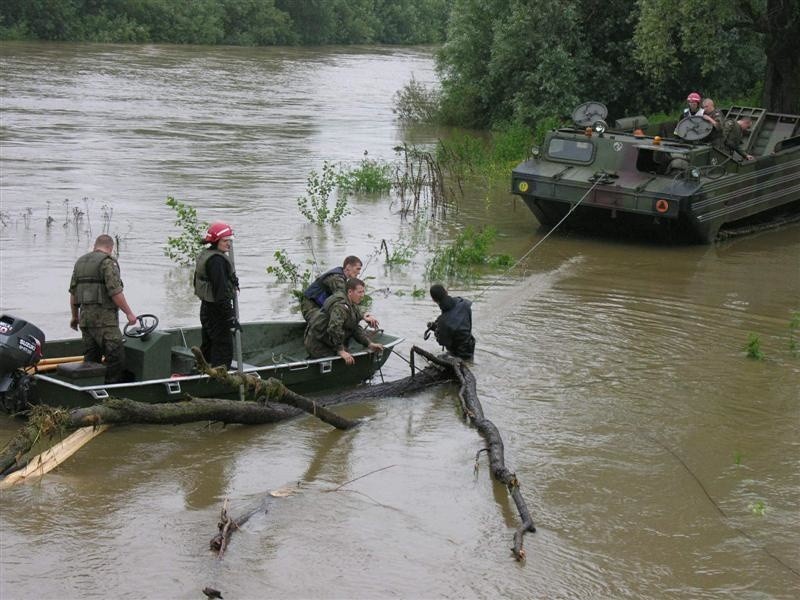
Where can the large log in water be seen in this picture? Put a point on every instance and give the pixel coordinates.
(265, 409)
(49, 423)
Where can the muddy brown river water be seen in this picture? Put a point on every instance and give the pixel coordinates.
(657, 460)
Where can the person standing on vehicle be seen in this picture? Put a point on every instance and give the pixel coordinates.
(215, 283)
(96, 296)
(453, 328)
(337, 322)
(327, 284)
(714, 116)
(693, 109)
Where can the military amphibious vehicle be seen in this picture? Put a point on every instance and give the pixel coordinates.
(678, 186)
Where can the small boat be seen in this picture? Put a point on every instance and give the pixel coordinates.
(161, 366)
(678, 186)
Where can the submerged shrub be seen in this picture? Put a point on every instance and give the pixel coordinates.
(370, 176)
(415, 102)
(753, 347)
(184, 248)
(287, 271)
(468, 250)
(319, 189)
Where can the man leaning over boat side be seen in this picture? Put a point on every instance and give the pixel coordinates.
(215, 283)
(327, 284)
(96, 296)
(333, 326)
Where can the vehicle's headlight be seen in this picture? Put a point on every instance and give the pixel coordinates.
(600, 127)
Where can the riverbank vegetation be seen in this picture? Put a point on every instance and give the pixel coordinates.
(230, 22)
(526, 60)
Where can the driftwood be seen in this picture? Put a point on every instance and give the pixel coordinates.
(473, 410)
(46, 422)
(271, 389)
(227, 524)
(48, 460)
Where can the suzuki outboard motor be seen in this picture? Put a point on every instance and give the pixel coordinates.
(21, 346)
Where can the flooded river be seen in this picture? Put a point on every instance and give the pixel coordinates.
(657, 460)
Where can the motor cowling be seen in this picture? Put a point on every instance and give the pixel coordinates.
(21, 344)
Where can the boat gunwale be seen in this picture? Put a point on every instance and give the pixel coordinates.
(202, 376)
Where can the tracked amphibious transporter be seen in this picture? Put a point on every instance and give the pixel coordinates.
(679, 186)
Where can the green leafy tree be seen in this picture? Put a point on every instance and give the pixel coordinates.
(732, 41)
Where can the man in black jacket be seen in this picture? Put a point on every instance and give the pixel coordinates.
(453, 328)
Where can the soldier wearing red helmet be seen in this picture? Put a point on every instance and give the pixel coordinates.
(693, 109)
(215, 283)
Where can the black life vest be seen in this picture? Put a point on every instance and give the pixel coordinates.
(317, 291)
(202, 284)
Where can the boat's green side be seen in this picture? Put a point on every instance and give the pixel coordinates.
(161, 366)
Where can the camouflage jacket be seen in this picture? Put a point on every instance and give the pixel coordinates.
(331, 329)
(732, 137)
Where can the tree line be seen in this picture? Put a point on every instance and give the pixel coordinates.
(527, 60)
(232, 22)
(500, 61)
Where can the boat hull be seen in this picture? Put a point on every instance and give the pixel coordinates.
(161, 367)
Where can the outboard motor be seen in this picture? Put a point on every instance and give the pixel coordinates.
(21, 346)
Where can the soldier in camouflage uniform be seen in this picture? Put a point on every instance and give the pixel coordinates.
(329, 283)
(714, 116)
(95, 293)
(331, 328)
(733, 134)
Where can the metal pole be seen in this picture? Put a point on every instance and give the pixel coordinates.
(237, 335)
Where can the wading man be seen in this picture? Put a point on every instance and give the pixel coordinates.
(453, 328)
(215, 283)
(337, 322)
(95, 296)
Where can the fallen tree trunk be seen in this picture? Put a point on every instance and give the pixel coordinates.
(46, 422)
(473, 410)
(120, 410)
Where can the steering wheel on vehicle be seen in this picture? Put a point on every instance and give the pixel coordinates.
(146, 324)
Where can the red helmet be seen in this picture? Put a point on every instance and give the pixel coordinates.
(217, 231)
(693, 97)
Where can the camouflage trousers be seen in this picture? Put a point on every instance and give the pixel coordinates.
(309, 308)
(105, 341)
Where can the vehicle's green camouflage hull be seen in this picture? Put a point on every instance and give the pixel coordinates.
(638, 184)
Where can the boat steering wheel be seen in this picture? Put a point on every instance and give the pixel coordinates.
(146, 324)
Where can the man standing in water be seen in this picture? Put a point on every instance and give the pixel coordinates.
(215, 283)
(332, 327)
(95, 296)
(453, 328)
